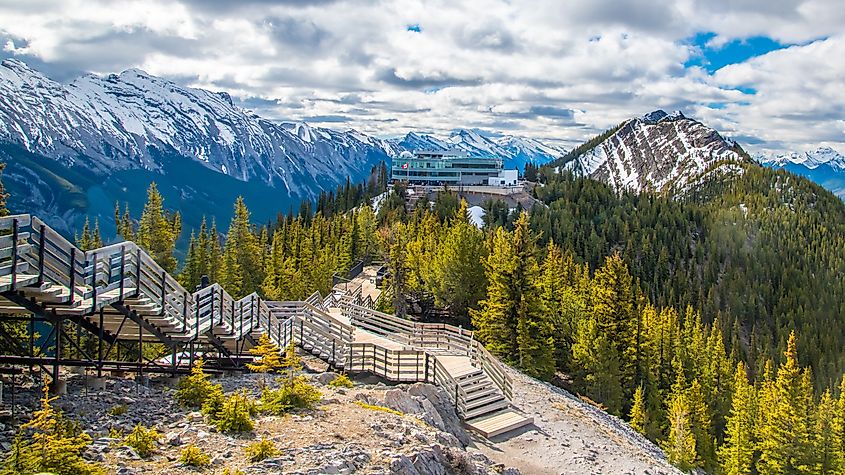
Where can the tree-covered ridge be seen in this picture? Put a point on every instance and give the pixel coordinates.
(764, 252)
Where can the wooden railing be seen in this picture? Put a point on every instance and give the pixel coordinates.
(493, 367)
(391, 364)
(116, 273)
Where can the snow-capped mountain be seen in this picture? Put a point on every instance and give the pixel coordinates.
(824, 166)
(115, 122)
(812, 159)
(658, 152)
(515, 151)
(123, 124)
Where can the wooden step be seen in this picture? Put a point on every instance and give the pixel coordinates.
(21, 280)
(484, 401)
(499, 423)
(486, 409)
(482, 391)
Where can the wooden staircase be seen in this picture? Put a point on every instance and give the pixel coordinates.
(119, 293)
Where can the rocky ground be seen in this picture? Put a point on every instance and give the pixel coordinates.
(341, 436)
(570, 436)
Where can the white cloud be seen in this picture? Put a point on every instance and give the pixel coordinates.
(545, 68)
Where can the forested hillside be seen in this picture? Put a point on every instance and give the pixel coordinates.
(671, 313)
(763, 253)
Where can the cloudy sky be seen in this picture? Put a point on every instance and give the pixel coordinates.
(770, 74)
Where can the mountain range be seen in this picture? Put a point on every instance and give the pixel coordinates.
(75, 149)
(515, 151)
(658, 152)
(824, 166)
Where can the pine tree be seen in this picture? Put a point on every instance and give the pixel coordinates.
(84, 241)
(268, 355)
(157, 231)
(785, 440)
(241, 272)
(638, 417)
(96, 235)
(737, 453)
(680, 445)
(613, 308)
(700, 423)
(458, 273)
(828, 437)
(511, 320)
(597, 367)
(53, 444)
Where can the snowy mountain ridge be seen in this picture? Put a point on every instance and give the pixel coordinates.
(117, 122)
(824, 166)
(810, 159)
(515, 151)
(657, 152)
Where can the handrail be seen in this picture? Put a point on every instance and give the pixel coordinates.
(31, 250)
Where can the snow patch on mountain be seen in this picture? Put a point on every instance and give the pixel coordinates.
(657, 151)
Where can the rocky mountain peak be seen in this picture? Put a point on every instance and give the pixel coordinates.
(658, 152)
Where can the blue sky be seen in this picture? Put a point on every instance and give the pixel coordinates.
(561, 71)
(714, 57)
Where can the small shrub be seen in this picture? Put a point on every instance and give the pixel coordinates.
(55, 445)
(115, 433)
(213, 403)
(193, 456)
(269, 359)
(143, 440)
(118, 410)
(236, 414)
(293, 394)
(232, 471)
(195, 389)
(379, 408)
(341, 381)
(263, 449)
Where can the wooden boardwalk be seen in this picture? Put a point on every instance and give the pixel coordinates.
(120, 295)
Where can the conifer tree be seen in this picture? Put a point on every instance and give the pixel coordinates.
(268, 355)
(158, 231)
(84, 240)
(700, 423)
(241, 272)
(680, 445)
(597, 367)
(96, 235)
(512, 319)
(785, 440)
(458, 271)
(613, 309)
(828, 437)
(638, 417)
(736, 455)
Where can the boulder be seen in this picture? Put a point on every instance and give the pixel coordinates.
(325, 378)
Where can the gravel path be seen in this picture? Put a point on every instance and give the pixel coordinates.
(570, 436)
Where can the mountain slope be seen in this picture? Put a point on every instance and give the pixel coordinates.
(139, 124)
(515, 151)
(658, 152)
(824, 166)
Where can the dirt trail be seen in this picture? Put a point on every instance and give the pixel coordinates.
(570, 436)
